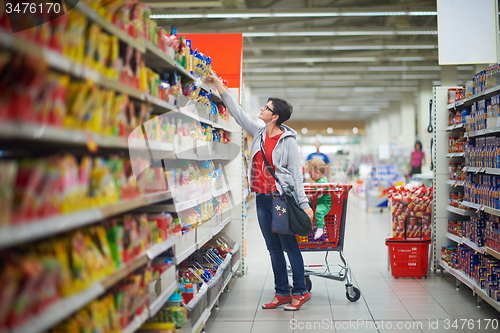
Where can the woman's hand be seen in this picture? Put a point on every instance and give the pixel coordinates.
(309, 213)
(215, 81)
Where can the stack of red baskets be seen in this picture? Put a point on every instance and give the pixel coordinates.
(408, 257)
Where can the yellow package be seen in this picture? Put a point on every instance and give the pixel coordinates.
(111, 314)
(143, 78)
(83, 319)
(103, 245)
(77, 96)
(119, 114)
(91, 40)
(74, 36)
(61, 252)
(113, 58)
(103, 53)
(108, 102)
(92, 111)
(79, 266)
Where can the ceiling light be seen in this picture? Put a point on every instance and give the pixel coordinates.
(329, 130)
(291, 14)
(338, 33)
(335, 69)
(304, 130)
(355, 130)
(325, 59)
(411, 47)
(407, 59)
(340, 47)
(175, 16)
(368, 89)
(415, 32)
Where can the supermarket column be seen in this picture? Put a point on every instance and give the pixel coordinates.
(373, 133)
(423, 114)
(384, 134)
(394, 122)
(407, 116)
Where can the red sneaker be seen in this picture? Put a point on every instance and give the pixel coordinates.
(281, 300)
(302, 299)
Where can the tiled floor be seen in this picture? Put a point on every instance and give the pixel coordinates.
(386, 304)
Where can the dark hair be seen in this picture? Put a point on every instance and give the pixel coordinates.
(282, 109)
(418, 143)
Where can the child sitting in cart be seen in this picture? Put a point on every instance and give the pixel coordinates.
(316, 168)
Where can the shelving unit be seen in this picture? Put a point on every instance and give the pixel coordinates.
(443, 186)
(460, 211)
(471, 284)
(41, 137)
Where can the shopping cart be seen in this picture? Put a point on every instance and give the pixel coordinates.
(332, 238)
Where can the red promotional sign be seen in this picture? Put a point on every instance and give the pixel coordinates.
(226, 51)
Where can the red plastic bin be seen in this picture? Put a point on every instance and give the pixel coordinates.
(408, 257)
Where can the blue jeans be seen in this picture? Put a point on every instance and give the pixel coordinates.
(276, 244)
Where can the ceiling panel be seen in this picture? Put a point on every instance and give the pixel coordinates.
(325, 55)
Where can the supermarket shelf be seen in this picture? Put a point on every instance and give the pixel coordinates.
(160, 106)
(158, 249)
(471, 284)
(459, 211)
(32, 230)
(60, 310)
(62, 136)
(452, 155)
(137, 322)
(222, 191)
(221, 226)
(455, 238)
(184, 255)
(156, 58)
(183, 205)
(455, 127)
(466, 241)
(61, 63)
(198, 326)
(492, 252)
(200, 243)
(140, 261)
(108, 26)
(195, 116)
(456, 273)
(473, 245)
(489, 171)
(124, 271)
(487, 131)
(455, 182)
(158, 303)
(477, 97)
(478, 207)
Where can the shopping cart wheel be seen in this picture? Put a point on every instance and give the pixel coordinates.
(355, 297)
(309, 283)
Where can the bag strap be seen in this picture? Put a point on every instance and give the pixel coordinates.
(268, 166)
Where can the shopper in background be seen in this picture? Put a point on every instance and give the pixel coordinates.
(282, 152)
(417, 160)
(316, 168)
(321, 156)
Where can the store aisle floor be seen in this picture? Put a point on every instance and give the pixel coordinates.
(386, 304)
